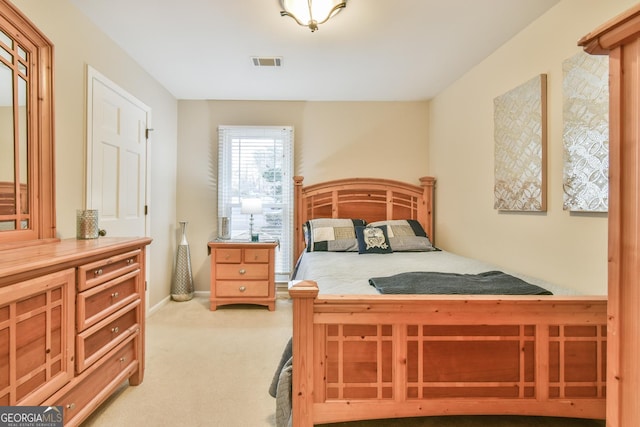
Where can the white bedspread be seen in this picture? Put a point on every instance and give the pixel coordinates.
(349, 272)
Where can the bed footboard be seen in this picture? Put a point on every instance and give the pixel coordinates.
(395, 356)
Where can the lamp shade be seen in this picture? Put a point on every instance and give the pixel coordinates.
(251, 206)
(311, 13)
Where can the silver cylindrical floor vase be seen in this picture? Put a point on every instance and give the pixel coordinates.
(182, 284)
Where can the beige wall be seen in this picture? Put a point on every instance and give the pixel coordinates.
(567, 249)
(332, 140)
(78, 43)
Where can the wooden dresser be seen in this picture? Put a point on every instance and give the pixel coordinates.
(242, 273)
(72, 317)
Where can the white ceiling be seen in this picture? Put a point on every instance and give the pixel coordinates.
(373, 50)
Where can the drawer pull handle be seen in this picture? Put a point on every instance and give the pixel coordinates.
(129, 261)
(98, 272)
(115, 329)
(123, 359)
(115, 295)
(242, 271)
(71, 406)
(243, 288)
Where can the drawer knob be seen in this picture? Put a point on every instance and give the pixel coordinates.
(71, 406)
(129, 261)
(115, 295)
(242, 271)
(123, 359)
(243, 288)
(115, 329)
(98, 272)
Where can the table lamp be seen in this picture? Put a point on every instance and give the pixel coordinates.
(251, 207)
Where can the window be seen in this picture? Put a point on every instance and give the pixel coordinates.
(256, 162)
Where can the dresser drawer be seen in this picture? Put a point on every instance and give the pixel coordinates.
(98, 383)
(242, 288)
(98, 272)
(100, 301)
(96, 341)
(242, 271)
(256, 255)
(229, 255)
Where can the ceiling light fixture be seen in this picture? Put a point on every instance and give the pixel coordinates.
(311, 13)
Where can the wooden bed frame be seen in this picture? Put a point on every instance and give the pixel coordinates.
(361, 357)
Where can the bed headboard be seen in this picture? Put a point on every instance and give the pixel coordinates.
(371, 199)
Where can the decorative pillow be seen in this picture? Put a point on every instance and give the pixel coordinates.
(331, 234)
(406, 235)
(373, 240)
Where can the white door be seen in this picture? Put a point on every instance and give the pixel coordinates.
(116, 157)
(117, 152)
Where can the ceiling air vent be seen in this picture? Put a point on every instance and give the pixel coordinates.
(266, 61)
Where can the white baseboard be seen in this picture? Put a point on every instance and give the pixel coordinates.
(159, 305)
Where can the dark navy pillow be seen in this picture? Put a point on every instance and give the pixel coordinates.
(373, 240)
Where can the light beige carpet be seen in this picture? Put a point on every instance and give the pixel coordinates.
(213, 369)
(204, 368)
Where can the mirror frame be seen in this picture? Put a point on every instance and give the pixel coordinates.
(40, 122)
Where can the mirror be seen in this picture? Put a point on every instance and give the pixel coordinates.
(14, 210)
(26, 131)
(7, 147)
(22, 202)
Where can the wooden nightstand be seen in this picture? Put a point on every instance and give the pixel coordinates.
(242, 273)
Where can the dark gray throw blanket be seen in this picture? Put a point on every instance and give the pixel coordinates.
(281, 387)
(424, 282)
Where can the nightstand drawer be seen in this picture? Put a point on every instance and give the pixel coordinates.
(228, 255)
(242, 271)
(254, 288)
(93, 274)
(99, 302)
(96, 341)
(256, 255)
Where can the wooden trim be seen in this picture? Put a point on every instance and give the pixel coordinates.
(41, 129)
(620, 39)
(612, 33)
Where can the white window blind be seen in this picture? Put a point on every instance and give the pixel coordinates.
(257, 162)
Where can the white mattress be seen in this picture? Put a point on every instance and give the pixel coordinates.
(349, 272)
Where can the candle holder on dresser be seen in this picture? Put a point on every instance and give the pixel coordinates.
(182, 284)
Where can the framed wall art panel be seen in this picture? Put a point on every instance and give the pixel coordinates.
(520, 133)
(585, 89)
